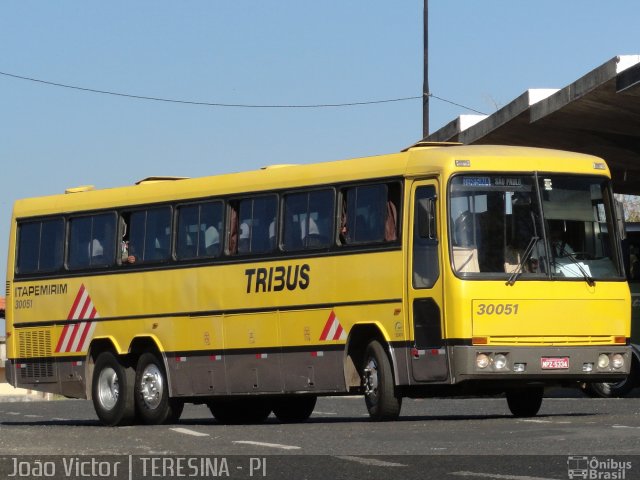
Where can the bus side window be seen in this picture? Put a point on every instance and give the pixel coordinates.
(251, 224)
(80, 242)
(308, 220)
(370, 214)
(187, 232)
(92, 241)
(150, 234)
(40, 246)
(198, 231)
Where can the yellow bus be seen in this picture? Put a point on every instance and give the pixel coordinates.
(439, 270)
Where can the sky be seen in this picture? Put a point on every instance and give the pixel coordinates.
(483, 54)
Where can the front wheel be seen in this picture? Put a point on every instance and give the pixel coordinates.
(383, 403)
(153, 404)
(525, 402)
(112, 390)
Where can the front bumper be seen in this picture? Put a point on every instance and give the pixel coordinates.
(576, 363)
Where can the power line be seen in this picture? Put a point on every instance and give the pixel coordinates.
(231, 105)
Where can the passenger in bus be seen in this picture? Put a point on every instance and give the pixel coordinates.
(126, 254)
(311, 235)
(244, 244)
(272, 234)
(211, 240)
(95, 250)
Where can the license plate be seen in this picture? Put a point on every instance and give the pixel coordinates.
(554, 363)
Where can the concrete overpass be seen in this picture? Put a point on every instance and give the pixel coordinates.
(598, 114)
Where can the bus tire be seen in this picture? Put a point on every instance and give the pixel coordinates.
(525, 402)
(377, 380)
(151, 392)
(294, 409)
(112, 390)
(240, 411)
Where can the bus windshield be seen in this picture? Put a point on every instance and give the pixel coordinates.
(533, 226)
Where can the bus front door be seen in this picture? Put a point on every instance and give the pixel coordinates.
(428, 353)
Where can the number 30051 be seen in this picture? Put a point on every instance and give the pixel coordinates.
(497, 309)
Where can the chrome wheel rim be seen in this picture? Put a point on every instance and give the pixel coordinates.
(370, 379)
(151, 386)
(108, 388)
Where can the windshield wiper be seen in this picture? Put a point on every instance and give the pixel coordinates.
(571, 256)
(525, 257)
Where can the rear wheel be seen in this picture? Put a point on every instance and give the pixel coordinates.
(112, 390)
(153, 404)
(525, 402)
(377, 379)
(240, 411)
(294, 409)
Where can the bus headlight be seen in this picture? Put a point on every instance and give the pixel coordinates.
(482, 360)
(603, 360)
(617, 361)
(499, 361)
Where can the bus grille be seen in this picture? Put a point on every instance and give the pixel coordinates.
(35, 343)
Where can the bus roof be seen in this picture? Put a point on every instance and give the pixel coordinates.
(415, 161)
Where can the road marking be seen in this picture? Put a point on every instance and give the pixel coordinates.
(325, 413)
(497, 476)
(13, 413)
(270, 445)
(371, 461)
(623, 426)
(556, 422)
(60, 419)
(33, 416)
(186, 431)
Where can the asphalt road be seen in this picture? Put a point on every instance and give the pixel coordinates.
(434, 438)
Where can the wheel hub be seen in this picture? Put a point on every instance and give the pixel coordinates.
(108, 388)
(370, 378)
(151, 386)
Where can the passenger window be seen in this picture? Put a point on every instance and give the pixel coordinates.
(308, 220)
(199, 228)
(149, 237)
(92, 241)
(370, 214)
(253, 225)
(40, 246)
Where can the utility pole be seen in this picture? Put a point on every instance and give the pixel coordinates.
(425, 83)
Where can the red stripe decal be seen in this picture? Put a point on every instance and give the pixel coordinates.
(327, 326)
(76, 327)
(75, 302)
(338, 332)
(85, 331)
(62, 335)
(85, 306)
